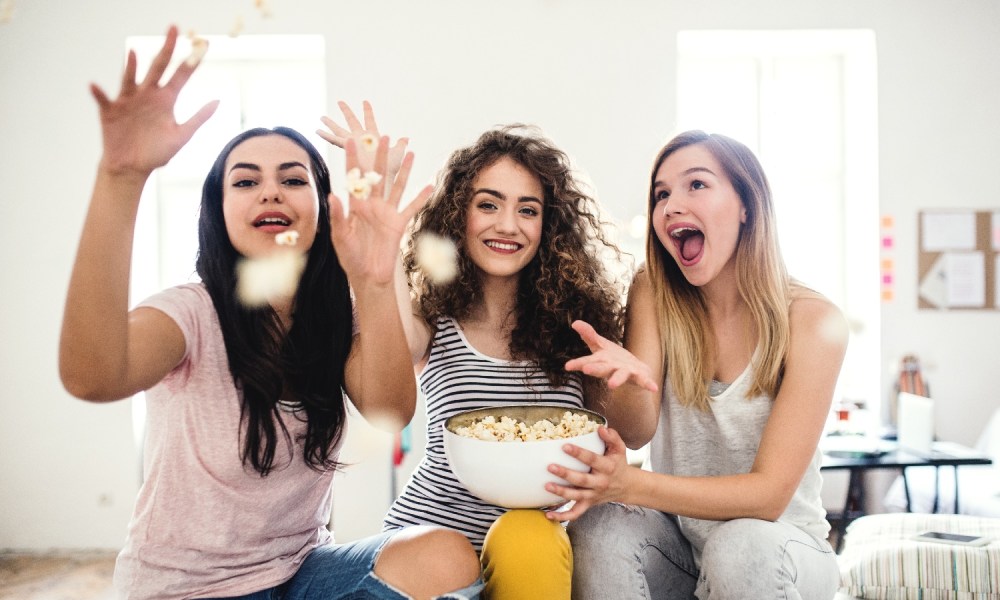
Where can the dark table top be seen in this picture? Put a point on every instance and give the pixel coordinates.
(943, 454)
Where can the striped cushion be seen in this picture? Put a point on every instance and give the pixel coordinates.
(880, 561)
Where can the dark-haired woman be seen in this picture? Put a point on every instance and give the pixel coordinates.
(246, 407)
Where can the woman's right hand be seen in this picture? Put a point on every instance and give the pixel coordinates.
(609, 361)
(139, 129)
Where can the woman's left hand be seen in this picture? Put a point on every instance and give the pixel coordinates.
(365, 136)
(367, 239)
(606, 481)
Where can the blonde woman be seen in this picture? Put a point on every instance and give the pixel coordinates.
(747, 361)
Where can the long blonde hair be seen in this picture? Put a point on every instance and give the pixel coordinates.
(762, 281)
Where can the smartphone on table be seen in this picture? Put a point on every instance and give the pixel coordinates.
(943, 537)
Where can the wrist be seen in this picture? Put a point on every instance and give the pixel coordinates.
(113, 171)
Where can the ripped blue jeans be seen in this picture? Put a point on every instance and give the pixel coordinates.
(634, 552)
(345, 572)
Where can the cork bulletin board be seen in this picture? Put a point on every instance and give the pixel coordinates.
(957, 264)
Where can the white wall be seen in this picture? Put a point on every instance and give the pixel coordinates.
(597, 76)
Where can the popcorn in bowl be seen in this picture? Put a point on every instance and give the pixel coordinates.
(513, 474)
(507, 429)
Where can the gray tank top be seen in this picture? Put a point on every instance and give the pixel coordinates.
(724, 441)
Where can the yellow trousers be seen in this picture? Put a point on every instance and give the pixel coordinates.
(526, 557)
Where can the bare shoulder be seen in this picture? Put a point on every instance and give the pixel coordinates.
(642, 286)
(814, 319)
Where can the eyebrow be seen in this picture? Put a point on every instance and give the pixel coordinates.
(282, 167)
(499, 196)
(690, 171)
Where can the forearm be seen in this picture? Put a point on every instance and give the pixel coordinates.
(634, 413)
(382, 382)
(417, 334)
(747, 495)
(94, 341)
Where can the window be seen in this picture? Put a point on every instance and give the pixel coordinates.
(805, 102)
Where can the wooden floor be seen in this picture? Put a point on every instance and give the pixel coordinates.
(64, 575)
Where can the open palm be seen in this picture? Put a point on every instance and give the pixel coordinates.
(139, 129)
(367, 239)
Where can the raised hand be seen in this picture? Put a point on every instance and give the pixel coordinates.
(367, 239)
(365, 136)
(610, 361)
(139, 130)
(606, 481)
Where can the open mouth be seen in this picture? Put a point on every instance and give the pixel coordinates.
(266, 221)
(690, 243)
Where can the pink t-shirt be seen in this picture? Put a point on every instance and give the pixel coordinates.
(205, 524)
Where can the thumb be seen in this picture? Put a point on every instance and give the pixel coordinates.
(336, 212)
(195, 122)
(615, 443)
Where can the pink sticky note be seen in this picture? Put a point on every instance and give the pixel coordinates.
(887, 242)
(887, 279)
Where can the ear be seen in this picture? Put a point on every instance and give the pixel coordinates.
(743, 214)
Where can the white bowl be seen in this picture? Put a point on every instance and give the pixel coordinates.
(514, 474)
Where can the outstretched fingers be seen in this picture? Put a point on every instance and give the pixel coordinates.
(128, 76)
(402, 176)
(381, 158)
(102, 99)
(162, 59)
(352, 120)
(589, 335)
(336, 135)
(369, 113)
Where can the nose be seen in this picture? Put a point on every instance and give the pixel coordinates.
(270, 191)
(506, 222)
(670, 207)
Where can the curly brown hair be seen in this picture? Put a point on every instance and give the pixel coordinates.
(567, 278)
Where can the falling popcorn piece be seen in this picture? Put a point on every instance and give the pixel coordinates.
(264, 8)
(287, 238)
(237, 27)
(360, 186)
(369, 142)
(199, 46)
(261, 280)
(6, 11)
(437, 257)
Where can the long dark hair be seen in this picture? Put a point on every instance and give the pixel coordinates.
(309, 360)
(566, 279)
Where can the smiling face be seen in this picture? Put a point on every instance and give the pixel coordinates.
(697, 213)
(503, 223)
(268, 189)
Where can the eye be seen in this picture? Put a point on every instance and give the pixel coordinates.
(486, 205)
(698, 184)
(242, 183)
(661, 195)
(295, 181)
(528, 211)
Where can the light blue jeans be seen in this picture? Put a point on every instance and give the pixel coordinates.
(634, 552)
(344, 572)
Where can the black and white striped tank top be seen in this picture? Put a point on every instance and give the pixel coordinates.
(459, 378)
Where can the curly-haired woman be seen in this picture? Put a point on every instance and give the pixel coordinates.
(529, 241)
